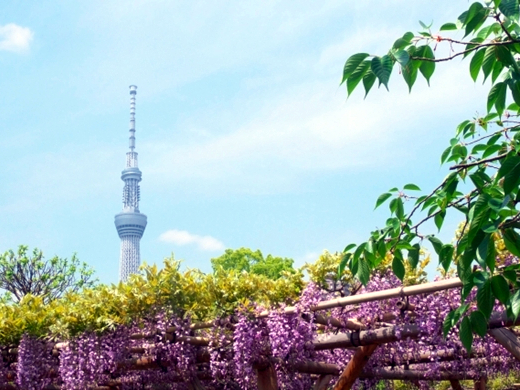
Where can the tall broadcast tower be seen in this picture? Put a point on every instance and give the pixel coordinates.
(130, 223)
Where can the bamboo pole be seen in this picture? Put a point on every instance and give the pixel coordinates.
(397, 292)
(444, 355)
(354, 339)
(310, 367)
(507, 339)
(412, 375)
(351, 323)
(354, 367)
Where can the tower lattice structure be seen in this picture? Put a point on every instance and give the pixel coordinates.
(130, 223)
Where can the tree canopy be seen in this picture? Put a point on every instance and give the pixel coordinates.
(484, 153)
(23, 272)
(244, 259)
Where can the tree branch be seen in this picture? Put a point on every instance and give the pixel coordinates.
(483, 161)
(476, 47)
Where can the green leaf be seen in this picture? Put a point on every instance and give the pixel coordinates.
(349, 247)
(357, 76)
(512, 241)
(515, 303)
(381, 247)
(473, 10)
(515, 91)
(398, 267)
(490, 150)
(476, 63)
(482, 251)
(497, 97)
(427, 67)
(478, 179)
(448, 323)
(478, 323)
(352, 64)
(445, 154)
(363, 271)
(359, 250)
(503, 54)
(439, 219)
(495, 204)
(399, 210)
(382, 199)
(382, 68)
(401, 56)
(412, 187)
(436, 243)
(466, 335)
(446, 256)
(408, 36)
(510, 9)
(423, 25)
(413, 255)
(400, 43)
(489, 61)
(478, 216)
(409, 75)
(343, 263)
(477, 20)
(485, 300)
(511, 179)
(448, 26)
(510, 275)
(497, 69)
(491, 255)
(508, 165)
(368, 81)
(500, 288)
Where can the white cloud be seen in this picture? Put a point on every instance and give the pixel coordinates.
(182, 237)
(15, 38)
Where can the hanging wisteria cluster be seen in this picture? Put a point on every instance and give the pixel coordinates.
(161, 351)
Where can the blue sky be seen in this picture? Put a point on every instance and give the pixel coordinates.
(244, 137)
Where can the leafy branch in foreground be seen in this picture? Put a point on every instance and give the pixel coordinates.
(484, 154)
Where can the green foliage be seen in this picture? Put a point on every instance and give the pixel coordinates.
(23, 273)
(244, 259)
(99, 308)
(329, 271)
(484, 153)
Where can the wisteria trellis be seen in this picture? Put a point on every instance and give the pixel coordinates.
(237, 350)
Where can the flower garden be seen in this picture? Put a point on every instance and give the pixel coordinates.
(146, 335)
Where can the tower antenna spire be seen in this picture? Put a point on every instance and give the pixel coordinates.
(130, 223)
(133, 92)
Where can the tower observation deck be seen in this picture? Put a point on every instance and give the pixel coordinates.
(130, 223)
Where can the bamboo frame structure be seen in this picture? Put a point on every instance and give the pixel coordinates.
(365, 342)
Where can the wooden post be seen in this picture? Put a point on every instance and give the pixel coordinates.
(322, 382)
(455, 384)
(354, 367)
(196, 385)
(267, 378)
(480, 384)
(507, 339)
